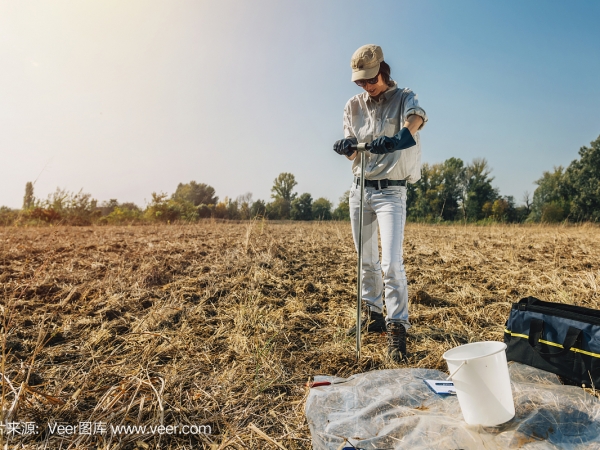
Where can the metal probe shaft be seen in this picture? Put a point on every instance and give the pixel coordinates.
(360, 148)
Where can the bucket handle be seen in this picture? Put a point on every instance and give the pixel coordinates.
(535, 333)
(456, 370)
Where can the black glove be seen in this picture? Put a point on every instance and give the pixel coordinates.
(386, 144)
(343, 146)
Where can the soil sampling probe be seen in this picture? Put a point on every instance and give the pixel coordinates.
(360, 148)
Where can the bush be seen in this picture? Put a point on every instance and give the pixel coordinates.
(342, 212)
(258, 209)
(170, 210)
(47, 215)
(195, 193)
(321, 209)
(278, 209)
(107, 207)
(245, 206)
(500, 210)
(521, 213)
(549, 204)
(552, 212)
(220, 211)
(8, 216)
(233, 210)
(122, 214)
(114, 212)
(205, 211)
(301, 208)
(62, 207)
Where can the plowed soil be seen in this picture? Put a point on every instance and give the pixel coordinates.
(221, 324)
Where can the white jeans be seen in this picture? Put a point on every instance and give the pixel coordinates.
(386, 207)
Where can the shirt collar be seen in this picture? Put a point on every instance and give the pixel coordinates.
(386, 95)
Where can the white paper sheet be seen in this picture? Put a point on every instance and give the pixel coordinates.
(441, 386)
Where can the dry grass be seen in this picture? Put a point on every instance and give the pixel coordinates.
(221, 324)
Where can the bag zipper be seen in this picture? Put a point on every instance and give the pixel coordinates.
(560, 313)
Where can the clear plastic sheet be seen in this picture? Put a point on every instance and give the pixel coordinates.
(395, 409)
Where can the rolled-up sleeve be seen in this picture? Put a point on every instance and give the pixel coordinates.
(411, 106)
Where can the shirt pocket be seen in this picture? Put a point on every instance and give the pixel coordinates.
(390, 127)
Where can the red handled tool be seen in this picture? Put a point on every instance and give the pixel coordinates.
(322, 383)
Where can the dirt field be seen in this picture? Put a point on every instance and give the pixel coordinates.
(221, 324)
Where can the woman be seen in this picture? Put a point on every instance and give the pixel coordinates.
(389, 118)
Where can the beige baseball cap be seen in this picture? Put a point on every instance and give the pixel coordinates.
(365, 62)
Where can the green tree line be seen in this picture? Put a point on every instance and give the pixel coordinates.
(190, 202)
(451, 191)
(572, 193)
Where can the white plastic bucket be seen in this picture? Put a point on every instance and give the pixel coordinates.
(480, 375)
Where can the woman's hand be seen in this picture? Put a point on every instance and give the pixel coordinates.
(343, 146)
(404, 138)
(386, 144)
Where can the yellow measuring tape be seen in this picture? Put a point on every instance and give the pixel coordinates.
(554, 344)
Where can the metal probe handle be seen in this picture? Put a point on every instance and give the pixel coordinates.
(361, 147)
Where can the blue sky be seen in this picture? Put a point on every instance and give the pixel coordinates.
(121, 99)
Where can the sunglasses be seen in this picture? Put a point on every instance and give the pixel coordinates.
(373, 80)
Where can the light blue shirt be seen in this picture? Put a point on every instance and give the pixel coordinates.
(367, 119)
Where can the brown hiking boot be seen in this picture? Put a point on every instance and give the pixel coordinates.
(372, 322)
(396, 337)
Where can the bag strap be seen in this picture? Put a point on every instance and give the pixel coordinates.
(525, 302)
(535, 333)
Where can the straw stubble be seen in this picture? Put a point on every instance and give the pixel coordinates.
(222, 324)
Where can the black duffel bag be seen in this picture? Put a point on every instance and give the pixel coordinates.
(562, 339)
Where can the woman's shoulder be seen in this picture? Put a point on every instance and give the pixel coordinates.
(356, 102)
(409, 93)
(358, 98)
(406, 91)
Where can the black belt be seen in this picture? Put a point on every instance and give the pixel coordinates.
(380, 184)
